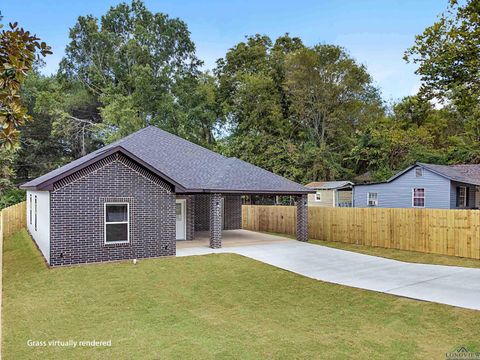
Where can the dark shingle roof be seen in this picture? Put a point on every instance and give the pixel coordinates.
(464, 173)
(191, 166)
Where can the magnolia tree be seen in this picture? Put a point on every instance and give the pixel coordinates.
(18, 51)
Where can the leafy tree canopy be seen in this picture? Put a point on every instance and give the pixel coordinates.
(18, 51)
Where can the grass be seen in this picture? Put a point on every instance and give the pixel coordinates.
(401, 255)
(216, 306)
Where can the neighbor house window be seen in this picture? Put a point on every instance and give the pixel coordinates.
(462, 196)
(418, 172)
(318, 196)
(117, 223)
(35, 212)
(372, 198)
(418, 197)
(30, 209)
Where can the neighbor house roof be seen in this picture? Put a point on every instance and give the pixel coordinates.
(187, 166)
(464, 173)
(328, 185)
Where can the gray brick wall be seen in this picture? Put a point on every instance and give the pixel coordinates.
(202, 212)
(232, 212)
(77, 213)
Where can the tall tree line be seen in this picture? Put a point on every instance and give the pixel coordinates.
(304, 112)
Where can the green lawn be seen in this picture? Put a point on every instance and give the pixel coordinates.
(402, 255)
(215, 306)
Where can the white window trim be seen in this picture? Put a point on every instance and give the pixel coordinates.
(421, 172)
(424, 197)
(368, 198)
(317, 194)
(464, 205)
(115, 222)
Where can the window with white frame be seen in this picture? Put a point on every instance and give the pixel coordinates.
(117, 223)
(318, 196)
(35, 212)
(418, 197)
(462, 196)
(418, 172)
(372, 199)
(30, 209)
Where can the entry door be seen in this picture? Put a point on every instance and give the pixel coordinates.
(180, 205)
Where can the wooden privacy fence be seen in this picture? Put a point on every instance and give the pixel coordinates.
(279, 219)
(13, 218)
(446, 232)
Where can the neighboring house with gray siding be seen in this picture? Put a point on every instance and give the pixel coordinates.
(424, 186)
(137, 197)
(330, 193)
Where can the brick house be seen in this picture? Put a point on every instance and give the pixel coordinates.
(136, 197)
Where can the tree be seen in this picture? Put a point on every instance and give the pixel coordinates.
(39, 150)
(330, 93)
(448, 55)
(18, 51)
(292, 109)
(254, 106)
(132, 61)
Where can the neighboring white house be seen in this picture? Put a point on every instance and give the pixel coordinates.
(330, 193)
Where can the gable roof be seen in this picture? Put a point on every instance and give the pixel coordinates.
(463, 173)
(328, 185)
(187, 166)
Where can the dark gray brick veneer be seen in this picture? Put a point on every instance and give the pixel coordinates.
(302, 218)
(232, 215)
(77, 213)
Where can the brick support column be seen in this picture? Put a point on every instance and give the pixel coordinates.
(302, 218)
(215, 221)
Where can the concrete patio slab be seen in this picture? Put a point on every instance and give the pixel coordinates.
(449, 285)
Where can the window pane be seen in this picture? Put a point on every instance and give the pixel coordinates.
(116, 212)
(419, 202)
(116, 232)
(418, 192)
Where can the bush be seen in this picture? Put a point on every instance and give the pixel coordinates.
(11, 197)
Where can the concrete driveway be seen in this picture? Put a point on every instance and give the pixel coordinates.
(449, 285)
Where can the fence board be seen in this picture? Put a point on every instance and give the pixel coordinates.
(446, 232)
(14, 218)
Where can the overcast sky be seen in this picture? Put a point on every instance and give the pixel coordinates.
(375, 33)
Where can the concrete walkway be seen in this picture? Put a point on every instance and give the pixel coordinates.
(449, 285)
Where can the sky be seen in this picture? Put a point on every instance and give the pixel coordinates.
(375, 32)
